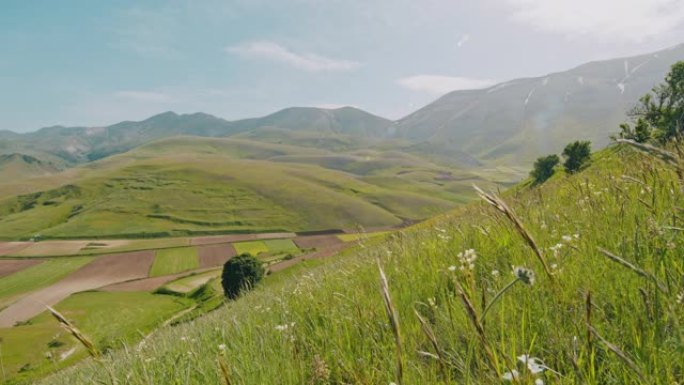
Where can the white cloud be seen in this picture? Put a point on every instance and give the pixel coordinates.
(144, 96)
(464, 39)
(608, 20)
(436, 84)
(305, 60)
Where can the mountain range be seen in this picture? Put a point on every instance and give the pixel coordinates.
(524, 118)
(307, 168)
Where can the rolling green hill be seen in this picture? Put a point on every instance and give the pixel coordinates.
(451, 304)
(191, 185)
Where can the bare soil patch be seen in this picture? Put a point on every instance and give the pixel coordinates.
(12, 247)
(317, 241)
(144, 284)
(103, 271)
(9, 266)
(52, 248)
(212, 240)
(215, 255)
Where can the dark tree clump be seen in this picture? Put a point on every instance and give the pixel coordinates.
(576, 154)
(544, 168)
(240, 274)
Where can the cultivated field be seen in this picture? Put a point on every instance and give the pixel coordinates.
(81, 284)
(172, 261)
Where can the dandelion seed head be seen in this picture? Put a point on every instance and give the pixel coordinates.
(524, 274)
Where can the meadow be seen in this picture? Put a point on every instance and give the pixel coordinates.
(578, 280)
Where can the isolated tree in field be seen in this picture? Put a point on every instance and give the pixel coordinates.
(240, 274)
(544, 168)
(660, 113)
(576, 155)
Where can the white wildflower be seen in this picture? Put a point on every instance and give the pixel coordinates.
(567, 238)
(495, 273)
(538, 381)
(452, 268)
(534, 364)
(510, 376)
(680, 298)
(184, 338)
(281, 328)
(222, 347)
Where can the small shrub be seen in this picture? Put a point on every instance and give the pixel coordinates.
(240, 274)
(576, 155)
(544, 168)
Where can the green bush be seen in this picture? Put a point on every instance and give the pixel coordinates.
(240, 274)
(660, 113)
(576, 154)
(544, 168)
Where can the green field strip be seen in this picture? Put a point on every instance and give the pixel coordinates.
(172, 261)
(356, 236)
(38, 276)
(192, 282)
(252, 247)
(281, 246)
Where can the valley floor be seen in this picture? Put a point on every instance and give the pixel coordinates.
(148, 282)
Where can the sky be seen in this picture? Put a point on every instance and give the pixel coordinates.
(95, 63)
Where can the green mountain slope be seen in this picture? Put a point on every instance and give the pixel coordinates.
(593, 320)
(516, 121)
(190, 185)
(75, 145)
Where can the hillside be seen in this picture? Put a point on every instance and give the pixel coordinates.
(75, 145)
(14, 167)
(191, 185)
(595, 319)
(516, 121)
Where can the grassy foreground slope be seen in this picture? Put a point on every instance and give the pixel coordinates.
(191, 185)
(593, 320)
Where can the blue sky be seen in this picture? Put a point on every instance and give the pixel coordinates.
(99, 62)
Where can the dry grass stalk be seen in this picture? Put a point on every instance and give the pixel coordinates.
(394, 322)
(588, 306)
(500, 205)
(666, 156)
(225, 372)
(635, 269)
(618, 352)
(475, 320)
(321, 372)
(427, 330)
(669, 158)
(73, 330)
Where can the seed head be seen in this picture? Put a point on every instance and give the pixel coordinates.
(524, 274)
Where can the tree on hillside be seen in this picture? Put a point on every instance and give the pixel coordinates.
(240, 274)
(576, 155)
(660, 113)
(544, 168)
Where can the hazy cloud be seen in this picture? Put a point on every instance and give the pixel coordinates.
(611, 20)
(144, 96)
(302, 60)
(439, 85)
(462, 40)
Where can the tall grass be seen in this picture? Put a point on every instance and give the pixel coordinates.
(590, 320)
